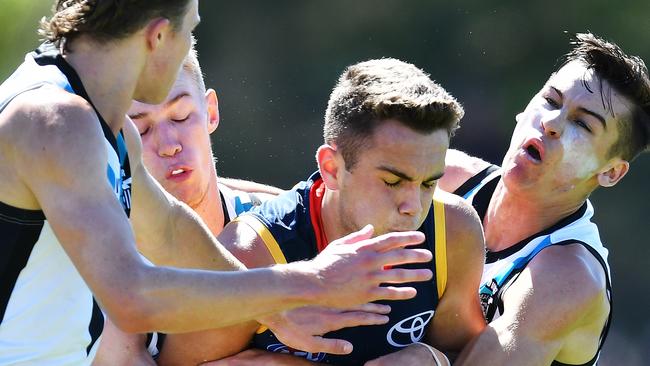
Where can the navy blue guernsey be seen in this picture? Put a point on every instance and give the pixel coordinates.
(286, 224)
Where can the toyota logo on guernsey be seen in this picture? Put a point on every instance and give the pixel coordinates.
(409, 330)
(281, 348)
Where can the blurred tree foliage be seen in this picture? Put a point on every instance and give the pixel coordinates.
(273, 64)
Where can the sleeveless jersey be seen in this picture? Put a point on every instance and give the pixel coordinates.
(290, 227)
(48, 315)
(503, 267)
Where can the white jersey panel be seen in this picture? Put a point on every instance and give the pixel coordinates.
(46, 321)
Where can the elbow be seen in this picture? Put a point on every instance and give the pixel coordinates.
(130, 317)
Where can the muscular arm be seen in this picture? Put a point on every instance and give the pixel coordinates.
(458, 317)
(294, 328)
(555, 310)
(214, 344)
(167, 231)
(68, 182)
(58, 152)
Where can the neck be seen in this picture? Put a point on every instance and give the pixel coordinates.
(210, 208)
(331, 217)
(523, 216)
(109, 73)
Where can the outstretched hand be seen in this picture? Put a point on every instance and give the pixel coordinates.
(302, 328)
(350, 270)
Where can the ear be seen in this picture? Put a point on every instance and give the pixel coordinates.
(613, 172)
(155, 32)
(212, 103)
(330, 164)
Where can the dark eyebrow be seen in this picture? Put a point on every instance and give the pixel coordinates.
(595, 115)
(558, 91)
(406, 177)
(585, 110)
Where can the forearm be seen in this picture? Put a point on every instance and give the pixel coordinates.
(188, 243)
(215, 344)
(249, 186)
(159, 300)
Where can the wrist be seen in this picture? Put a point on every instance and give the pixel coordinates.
(301, 284)
(438, 358)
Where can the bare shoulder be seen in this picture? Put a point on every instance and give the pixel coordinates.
(562, 289)
(242, 239)
(571, 268)
(47, 134)
(462, 222)
(459, 167)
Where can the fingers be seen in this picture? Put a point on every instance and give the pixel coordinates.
(403, 256)
(370, 308)
(393, 293)
(402, 275)
(394, 240)
(334, 346)
(357, 236)
(354, 319)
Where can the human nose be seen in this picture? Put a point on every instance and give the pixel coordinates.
(552, 124)
(168, 143)
(411, 203)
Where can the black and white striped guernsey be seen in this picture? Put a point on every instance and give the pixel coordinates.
(48, 315)
(503, 267)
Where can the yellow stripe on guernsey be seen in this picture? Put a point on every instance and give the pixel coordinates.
(270, 242)
(441, 246)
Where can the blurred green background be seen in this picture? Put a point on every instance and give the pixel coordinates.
(273, 64)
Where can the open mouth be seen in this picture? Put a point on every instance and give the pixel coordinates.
(178, 172)
(533, 152)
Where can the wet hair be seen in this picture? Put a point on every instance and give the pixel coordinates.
(369, 93)
(626, 74)
(106, 20)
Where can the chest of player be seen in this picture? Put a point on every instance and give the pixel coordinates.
(408, 320)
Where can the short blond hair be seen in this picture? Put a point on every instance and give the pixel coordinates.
(192, 67)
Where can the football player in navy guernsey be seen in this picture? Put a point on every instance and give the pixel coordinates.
(546, 284)
(387, 128)
(68, 249)
(177, 151)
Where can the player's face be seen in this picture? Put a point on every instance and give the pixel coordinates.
(562, 138)
(164, 63)
(392, 184)
(176, 139)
